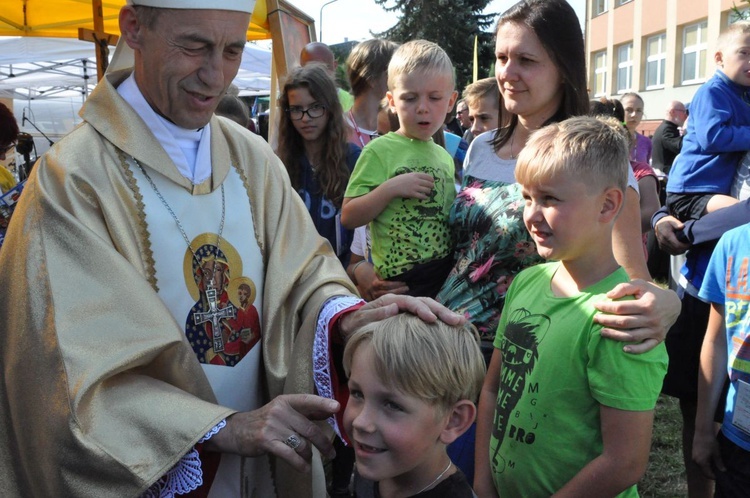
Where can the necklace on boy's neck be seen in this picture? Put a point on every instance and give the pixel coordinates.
(450, 463)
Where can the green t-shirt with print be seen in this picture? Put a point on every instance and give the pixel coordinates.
(408, 231)
(557, 371)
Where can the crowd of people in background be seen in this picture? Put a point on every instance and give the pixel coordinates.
(467, 272)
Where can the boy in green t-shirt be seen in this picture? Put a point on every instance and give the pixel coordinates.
(402, 183)
(564, 411)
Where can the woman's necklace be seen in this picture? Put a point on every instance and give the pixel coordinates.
(526, 131)
(437, 478)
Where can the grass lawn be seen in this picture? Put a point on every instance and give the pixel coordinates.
(665, 477)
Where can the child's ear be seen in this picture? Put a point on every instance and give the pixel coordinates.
(612, 203)
(454, 96)
(460, 418)
(391, 101)
(719, 58)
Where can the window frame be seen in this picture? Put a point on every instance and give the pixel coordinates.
(733, 18)
(599, 7)
(700, 49)
(626, 65)
(600, 72)
(660, 58)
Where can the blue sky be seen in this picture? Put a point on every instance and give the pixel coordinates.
(353, 19)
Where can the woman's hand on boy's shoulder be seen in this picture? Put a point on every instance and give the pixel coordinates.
(644, 320)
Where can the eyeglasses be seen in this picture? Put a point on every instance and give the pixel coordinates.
(462, 111)
(314, 111)
(6, 148)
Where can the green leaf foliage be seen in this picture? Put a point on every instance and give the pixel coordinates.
(739, 12)
(452, 24)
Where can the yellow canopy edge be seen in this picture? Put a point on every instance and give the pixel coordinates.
(62, 18)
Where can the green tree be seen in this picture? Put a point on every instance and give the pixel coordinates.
(452, 24)
(738, 13)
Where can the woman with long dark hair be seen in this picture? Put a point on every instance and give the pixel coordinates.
(541, 73)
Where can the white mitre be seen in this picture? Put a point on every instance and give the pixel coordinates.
(123, 57)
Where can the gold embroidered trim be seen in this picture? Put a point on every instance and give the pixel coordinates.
(147, 253)
(246, 183)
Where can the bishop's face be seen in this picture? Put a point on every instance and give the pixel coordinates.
(185, 63)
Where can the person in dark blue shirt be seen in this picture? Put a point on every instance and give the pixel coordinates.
(313, 147)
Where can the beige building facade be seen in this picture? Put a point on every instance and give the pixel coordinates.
(661, 49)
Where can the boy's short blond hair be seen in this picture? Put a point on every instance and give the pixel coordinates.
(419, 55)
(485, 88)
(592, 149)
(728, 35)
(438, 363)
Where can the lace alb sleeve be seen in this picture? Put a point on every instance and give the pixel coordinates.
(186, 475)
(321, 348)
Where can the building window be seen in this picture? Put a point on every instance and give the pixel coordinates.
(600, 7)
(600, 73)
(656, 61)
(623, 2)
(738, 14)
(625, 68)
(694, 53)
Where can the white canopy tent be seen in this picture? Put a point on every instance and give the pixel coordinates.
(32, 68)
(45, 67)
(48, 79)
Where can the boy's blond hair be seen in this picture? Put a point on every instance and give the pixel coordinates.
(418, 55)
(438, 363)
(728, 35)
(591, 149)
(482, 89)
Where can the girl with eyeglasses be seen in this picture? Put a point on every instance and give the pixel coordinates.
(313, 147)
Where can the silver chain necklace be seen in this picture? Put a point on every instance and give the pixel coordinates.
(450, 463)
(177, 220)
(214, 315)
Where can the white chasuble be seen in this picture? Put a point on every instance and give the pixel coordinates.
(214, 292)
